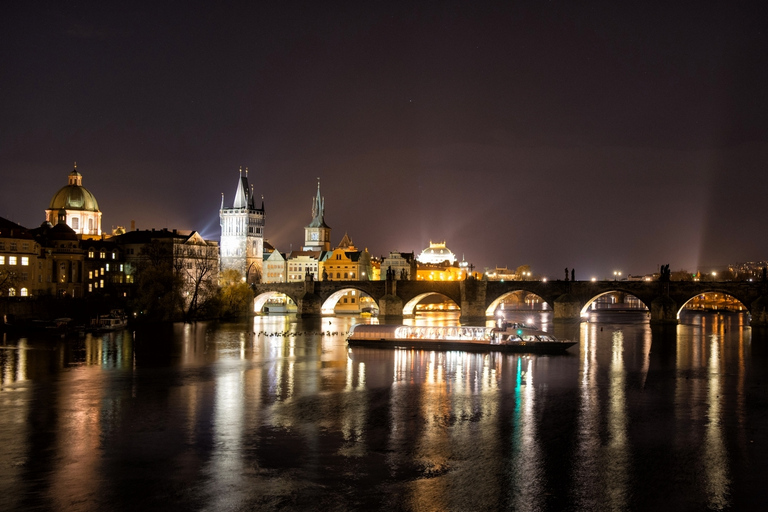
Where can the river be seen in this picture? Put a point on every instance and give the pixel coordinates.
(278, 414)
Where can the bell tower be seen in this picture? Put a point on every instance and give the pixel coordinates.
(317, 236)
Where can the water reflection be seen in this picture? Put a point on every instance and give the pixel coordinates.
(281, 414)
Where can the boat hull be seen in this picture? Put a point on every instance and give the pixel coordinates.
(524, 347)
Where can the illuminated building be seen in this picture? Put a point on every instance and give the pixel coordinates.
(104, 268)
(317, 235)
(78, 206)
(436, 253)
(61, 258)
(301, 263)
(21, 272)
(440, 272)
(192, 259)
(275, 266)
(402, 265)
(347, 263)
(242, 233)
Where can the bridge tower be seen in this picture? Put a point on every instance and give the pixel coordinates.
(242, 232)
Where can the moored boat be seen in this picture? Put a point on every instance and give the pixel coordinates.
(508, 337)
(114, 321)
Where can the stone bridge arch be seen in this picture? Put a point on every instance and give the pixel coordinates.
(410, 306)
(588, 302)
(714, 289)
(494, 303)
(330, 299)
(260, 299)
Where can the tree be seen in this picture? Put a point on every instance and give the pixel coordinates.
(196, 265)
(158, 287)
(235, 295)
(8, 279)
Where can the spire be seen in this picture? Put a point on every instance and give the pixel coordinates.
(222, 201)
(318, 209)
(241, 195)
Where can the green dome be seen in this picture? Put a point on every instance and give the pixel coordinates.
(74, 196)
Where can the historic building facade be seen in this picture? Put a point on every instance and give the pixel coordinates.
(242, 233)
(78, 207)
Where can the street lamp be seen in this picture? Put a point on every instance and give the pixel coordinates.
(616, 275)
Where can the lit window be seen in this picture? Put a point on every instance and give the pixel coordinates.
(107, 267)
(103, 254)
(24, 292)
(75, 223)
(113, 255)
(90, 274)
(25, 260)
(11, 260)
(2, 260)
(90, 287)
(90, 253)
(11, 292)
(102, 271)
(101, 283)
(121, 267)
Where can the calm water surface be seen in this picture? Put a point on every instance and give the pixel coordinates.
(278, 414)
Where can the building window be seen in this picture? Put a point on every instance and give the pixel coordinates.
(24, 292)
(90, 287)
(13, 246)
(103, 254)
(107, 267)
(121, 267)
(113, 255)
(338, 275)
(90, 274)
(25, 260)
(352, 300)
(11, 292)
(25, 246)
(2, 260)
(345, 275)
(2, 246)
(90, 224)
(101, 283)
(90, 253)
(11, 260)
(75, 223)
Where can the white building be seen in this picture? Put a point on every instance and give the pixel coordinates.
(242, 232)
(434, 254)
(77, 206)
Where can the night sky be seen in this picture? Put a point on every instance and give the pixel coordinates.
(609, 137)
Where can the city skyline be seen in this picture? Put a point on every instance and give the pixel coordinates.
(602, 139)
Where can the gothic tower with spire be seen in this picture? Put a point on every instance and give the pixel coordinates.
(242, 232)
(317, 236)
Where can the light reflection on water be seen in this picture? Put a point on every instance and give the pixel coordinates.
(280, 414)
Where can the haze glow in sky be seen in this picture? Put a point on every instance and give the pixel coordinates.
(603, 137)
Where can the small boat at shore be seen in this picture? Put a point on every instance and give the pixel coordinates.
(507, 337)
(114, 321)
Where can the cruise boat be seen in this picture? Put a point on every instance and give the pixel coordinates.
(506, 337)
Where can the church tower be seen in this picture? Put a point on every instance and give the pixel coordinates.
(242, 232)
(317, 236)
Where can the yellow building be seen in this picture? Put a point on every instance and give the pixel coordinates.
(346, 263)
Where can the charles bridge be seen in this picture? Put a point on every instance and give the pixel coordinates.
(478, 299)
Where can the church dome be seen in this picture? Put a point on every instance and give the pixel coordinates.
(436, 253)
(74, 196)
